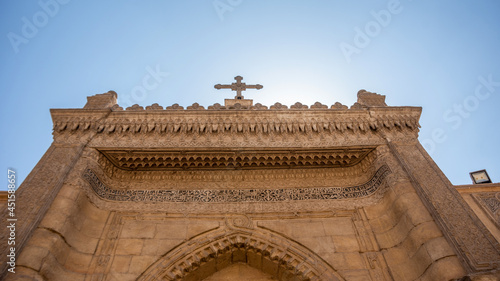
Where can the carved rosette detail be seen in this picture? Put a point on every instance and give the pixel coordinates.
(238, 221)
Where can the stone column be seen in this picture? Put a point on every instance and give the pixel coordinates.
(473, 243)
(36, 193)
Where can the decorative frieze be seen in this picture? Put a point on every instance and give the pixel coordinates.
(143, 160)
(192, 179)
(236, 195)
(217, 125)
(299, 119)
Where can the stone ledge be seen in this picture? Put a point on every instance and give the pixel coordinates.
(237, 158)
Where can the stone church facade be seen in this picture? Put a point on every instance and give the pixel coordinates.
(248, 192)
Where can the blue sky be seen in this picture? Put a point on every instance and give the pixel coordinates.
(441, 55)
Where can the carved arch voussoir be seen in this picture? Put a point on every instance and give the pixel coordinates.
(198, 251)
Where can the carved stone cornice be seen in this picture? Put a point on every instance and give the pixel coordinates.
(235, 158)
(226, 178)
(277, 120)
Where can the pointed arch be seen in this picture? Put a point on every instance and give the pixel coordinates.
(205, 254)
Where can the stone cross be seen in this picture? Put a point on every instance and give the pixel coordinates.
(238, 87)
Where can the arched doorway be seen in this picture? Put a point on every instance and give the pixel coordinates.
(269, 253)
(240, 272)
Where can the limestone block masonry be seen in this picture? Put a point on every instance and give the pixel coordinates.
(247, 192)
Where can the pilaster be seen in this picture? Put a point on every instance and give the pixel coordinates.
(36, 193)
(472, 242)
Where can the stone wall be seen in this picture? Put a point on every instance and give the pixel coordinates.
(388, 241)
(299, 193)
(396, 239)
(392, 238)
(63, 245)
(411, 242)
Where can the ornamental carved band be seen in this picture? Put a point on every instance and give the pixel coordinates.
(216, 159)
(235, 195)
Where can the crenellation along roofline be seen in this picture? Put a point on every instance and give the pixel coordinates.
(79, 112)
(369, 113)
(386, 116)
(286, 121)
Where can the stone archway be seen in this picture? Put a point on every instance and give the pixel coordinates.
(273, 254)
(240, 272)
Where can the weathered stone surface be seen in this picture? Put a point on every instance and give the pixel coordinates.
(338, 226)
(139, 264)
(129, 246)
(101, 101)
(156, 247)
(247, 192)
(444, 269)
(33, 257)
(476, 246)
(77, 262)
(138, 229)
(121, 264)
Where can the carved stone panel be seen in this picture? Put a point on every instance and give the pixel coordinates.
(490, 202)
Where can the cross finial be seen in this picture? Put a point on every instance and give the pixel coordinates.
(238, 87)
